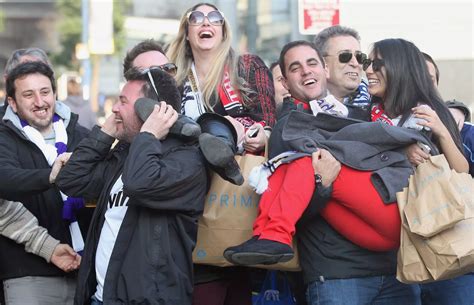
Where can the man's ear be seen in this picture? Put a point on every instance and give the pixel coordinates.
(12, 103)
(283, 82)
(326, 70)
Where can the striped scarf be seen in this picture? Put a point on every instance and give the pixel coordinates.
(51, 152)
(377, 114)
(230, 98)
(192, 103)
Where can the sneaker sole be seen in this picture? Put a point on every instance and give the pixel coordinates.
(144, 107)
(248, 259)
(228, 256)
(215, 151)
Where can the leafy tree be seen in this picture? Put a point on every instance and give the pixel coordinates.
(70, 29)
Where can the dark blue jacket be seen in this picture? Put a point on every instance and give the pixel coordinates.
(467, 136)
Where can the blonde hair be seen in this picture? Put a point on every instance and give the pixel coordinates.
(181, 54)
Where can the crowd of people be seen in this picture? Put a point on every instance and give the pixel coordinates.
(183, 114)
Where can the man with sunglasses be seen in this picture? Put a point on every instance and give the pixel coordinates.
(336, 270)
(340, 47)
(150, 189)
(146, 56)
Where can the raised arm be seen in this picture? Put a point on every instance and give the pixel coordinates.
(85, 172)
(448, 147)
(162, 178)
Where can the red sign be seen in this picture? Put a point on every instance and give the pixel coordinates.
(316, 15)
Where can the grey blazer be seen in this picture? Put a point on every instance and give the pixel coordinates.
(367, 146)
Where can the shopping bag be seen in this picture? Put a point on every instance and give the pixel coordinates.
(449, 252)
(275, 291)
(410, 266)
(228, 217)
(435, 202)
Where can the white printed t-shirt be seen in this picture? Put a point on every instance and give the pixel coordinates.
(117, 206)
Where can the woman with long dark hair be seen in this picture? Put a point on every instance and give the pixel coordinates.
(400, 85)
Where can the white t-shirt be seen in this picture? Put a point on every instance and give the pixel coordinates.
(117, 206)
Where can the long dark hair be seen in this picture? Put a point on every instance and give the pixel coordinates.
(409, 83)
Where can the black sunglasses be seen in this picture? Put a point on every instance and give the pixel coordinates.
(376, 63)
(169, 68)
(346, 57)
(197, 17)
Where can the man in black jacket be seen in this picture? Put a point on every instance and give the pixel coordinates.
(34, 130)
(150, 191)
(336, 270)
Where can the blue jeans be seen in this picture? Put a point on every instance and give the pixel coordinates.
(459, 291)
(375, 290)
(94, 301)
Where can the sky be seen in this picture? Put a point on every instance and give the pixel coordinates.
(442, 28)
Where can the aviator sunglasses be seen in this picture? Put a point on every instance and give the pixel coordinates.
(197, 18)
(376, 64)
(169, 68)
(346, 57)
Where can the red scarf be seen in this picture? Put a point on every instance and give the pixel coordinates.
(377, 114)
(230, 98)
(305, 105)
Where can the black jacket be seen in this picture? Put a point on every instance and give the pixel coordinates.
(166, 182)
(24, 177)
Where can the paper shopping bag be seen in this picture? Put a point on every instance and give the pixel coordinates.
(434, 201)
(449, 252)
(228, 217)
(410, 266)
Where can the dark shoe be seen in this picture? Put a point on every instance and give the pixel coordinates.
(184, 126)
(261, 252)
(220, 156)
(231, 250)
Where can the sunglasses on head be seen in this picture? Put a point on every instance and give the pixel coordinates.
(376, 64)
(169, 68)
(346, 57)
(197, 18)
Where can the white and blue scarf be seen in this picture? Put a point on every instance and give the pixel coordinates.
(50, 152)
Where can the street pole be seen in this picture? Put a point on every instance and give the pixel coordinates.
(86, 63)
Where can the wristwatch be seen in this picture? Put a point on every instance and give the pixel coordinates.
(318, 179)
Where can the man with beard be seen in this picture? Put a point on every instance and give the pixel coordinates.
(150, 189)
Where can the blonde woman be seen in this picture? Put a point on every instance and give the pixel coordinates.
(216, 80)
